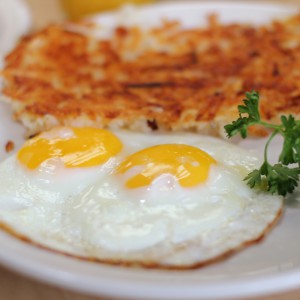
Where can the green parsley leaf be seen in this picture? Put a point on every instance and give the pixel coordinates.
(291, 133)
(280, 178)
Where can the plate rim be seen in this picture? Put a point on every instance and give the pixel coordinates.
(60, 277)
(57, 275)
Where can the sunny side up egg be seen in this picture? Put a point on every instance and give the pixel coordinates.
(159, 200)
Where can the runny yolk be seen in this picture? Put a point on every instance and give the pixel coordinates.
(86, 147)
(188, 164)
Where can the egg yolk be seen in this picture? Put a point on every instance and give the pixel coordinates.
(188, 164)
(85, 147)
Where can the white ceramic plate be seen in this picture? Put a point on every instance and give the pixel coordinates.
(269, 267)
(15, 21)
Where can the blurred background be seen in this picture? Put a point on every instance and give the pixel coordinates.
(49, 11)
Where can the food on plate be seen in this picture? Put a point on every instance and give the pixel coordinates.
(173, 200)
(9, 146)
(167, 78)
(280, 178)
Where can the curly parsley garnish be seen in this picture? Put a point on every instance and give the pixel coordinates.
(280, 177)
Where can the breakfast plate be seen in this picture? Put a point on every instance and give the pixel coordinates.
(268, 267)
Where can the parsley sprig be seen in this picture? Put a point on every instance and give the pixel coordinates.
(279, 178)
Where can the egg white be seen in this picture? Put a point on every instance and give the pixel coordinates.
(89, 212)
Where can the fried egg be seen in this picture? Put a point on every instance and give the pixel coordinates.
(156, 200)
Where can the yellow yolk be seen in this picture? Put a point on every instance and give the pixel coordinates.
(87, 147)
(188, 164)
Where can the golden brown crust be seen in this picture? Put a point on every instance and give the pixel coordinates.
(174, 78)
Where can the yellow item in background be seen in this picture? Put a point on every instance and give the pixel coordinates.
(78, 8)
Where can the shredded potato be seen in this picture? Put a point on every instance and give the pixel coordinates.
(166, 79)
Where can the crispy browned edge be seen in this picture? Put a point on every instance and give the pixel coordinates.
(148, 265)
(36, 111)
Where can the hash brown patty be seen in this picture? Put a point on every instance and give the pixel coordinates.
(166, 79)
